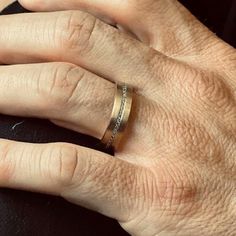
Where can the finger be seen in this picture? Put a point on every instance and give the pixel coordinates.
(5, 3)
(165, 25)
(68, 95)
(83, 176)
(81, 39)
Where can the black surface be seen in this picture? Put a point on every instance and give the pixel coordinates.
(218, 15)
(31, 214)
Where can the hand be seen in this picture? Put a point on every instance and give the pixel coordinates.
(175, 173)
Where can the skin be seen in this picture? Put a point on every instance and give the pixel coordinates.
(5, 3)
(175, 171)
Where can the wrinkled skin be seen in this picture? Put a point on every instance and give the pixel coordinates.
(175, 171)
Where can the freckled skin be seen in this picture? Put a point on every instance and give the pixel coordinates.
(175, 170)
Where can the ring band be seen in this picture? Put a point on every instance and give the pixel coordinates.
(119, 117)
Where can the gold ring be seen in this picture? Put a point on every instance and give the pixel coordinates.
(119, 117)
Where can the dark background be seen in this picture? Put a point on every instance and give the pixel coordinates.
(31, 214)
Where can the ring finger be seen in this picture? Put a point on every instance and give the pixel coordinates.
(62, 92)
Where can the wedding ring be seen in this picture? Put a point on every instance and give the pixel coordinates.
(119, 117)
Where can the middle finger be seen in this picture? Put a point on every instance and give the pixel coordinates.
(78, 38)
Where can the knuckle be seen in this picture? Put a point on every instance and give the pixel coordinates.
(61, 87)
(65, 165)
(189, 139)
(210, 91)
(208, 88)
(75, 31)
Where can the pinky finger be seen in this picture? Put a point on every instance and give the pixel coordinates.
(83, 176)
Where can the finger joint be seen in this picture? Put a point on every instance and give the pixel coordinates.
(76, 31)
